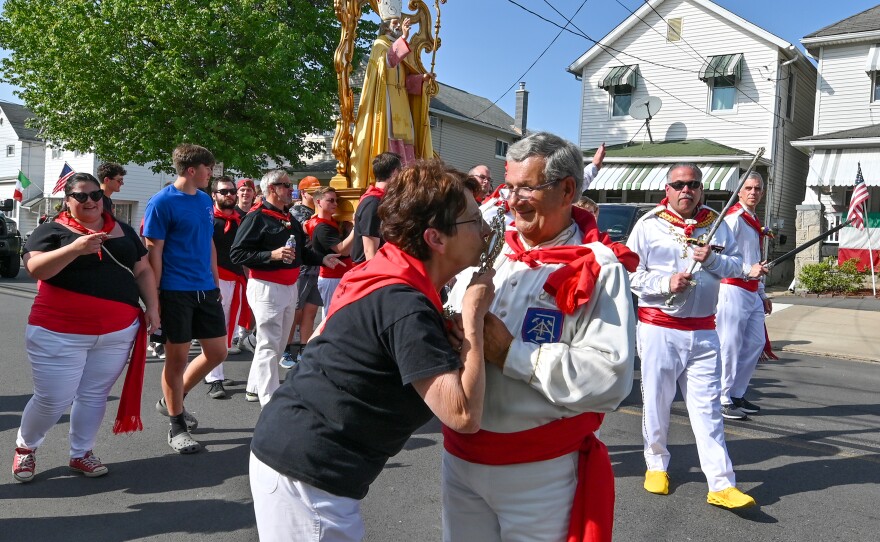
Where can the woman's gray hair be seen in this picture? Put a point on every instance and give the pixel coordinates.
(562, 158)
(698, 175)
(271, 177)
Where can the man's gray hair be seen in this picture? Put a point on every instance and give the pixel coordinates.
(698, 175)
(271, 177)
(562, 158)
(756, 175)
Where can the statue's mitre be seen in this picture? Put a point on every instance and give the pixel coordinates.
(390, 9)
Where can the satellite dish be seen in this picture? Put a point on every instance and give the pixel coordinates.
(645, 110)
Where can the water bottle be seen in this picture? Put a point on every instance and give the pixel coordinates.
(291, 243)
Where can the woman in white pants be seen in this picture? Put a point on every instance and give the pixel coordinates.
(84, 322)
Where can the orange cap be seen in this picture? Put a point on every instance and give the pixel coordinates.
(309, 182)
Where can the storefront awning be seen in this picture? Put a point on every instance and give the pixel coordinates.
(722, 66)
(838, 167)
(873, 63)
(653, 177)
(620, 75)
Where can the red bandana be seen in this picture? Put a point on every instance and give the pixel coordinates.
(496, 197)
(373, 190)
(312, 223)
(228, 218)
(65, 218)
(750, 220)
(704, 217)
(284, 218)
(572, 284)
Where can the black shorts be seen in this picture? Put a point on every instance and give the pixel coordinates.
(307, 289)
(191, 315)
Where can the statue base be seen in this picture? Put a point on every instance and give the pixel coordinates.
(348, 198)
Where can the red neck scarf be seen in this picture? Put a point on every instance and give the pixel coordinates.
(228, 218)
(64, 217)
(373, 190)
(390, 266)
(312, 223)
(498, 200)
(572, 284)
(704, 217)
(750, 220)
(284, 218)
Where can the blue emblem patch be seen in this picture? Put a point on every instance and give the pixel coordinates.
(542, 326)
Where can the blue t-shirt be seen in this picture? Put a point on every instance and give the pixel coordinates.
(186, 224)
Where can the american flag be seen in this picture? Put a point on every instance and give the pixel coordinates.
(857, 212)
(66, 173)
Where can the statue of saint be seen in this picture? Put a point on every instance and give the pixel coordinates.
(393, 109)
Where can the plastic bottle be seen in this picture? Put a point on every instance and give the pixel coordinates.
(291, 243)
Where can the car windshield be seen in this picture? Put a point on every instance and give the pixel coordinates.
(616, 220)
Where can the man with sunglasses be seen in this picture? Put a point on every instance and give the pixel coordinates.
(676, 331)
(261, 244)
(559, 353)
(112, 177)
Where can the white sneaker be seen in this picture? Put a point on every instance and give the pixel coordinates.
(249, 343)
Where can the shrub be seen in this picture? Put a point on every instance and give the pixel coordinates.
(828, 276)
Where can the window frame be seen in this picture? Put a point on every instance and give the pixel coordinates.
(672, 31)
(712, 86)
(613, 93)
(504, 146)
(10, 151)
(874, 99)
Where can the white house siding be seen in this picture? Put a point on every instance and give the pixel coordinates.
(464, 145)
(843, 100)
(706, 35)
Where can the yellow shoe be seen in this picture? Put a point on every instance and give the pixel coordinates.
(730, 498)
(657, 481)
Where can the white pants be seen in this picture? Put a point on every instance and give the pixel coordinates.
(273, 306)
(76, 372)
(528, 502)
(689, 358)
(227, 291)
(326, 287)
(290, 510)
(740, 321)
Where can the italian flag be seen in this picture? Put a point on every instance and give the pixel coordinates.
(854, 243)
(20, 185)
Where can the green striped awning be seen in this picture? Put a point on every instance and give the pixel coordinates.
(620, 75)
(653, 177)
(722, 66)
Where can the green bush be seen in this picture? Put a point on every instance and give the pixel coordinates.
(827, 276)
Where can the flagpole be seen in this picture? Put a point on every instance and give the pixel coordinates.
(871, 256)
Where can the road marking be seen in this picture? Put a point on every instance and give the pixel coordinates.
(17, 291)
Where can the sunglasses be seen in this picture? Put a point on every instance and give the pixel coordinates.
(285, 185)
(82, 197)
(225, 191)
(679, 185)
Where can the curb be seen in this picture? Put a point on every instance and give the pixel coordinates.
(825, 354)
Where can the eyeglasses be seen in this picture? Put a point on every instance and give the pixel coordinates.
(285, 185)
(82, 197)
(525, 192)
(483, 177)
(679, 185)
(225, 191)
(478, 219)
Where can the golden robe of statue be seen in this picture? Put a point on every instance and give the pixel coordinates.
(392, 113)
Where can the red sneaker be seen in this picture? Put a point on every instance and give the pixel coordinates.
(88, 465)
(24, 464)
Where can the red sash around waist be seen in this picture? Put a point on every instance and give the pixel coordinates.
(750, 285)
(286, 276)
(239, 300)
(592, 512)
(656, 317)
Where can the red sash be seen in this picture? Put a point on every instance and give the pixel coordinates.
(97, 316)
(750, 285)
(373, 190)
(750, 220)
(284, 218)
(239, 300)
(337, 272)
(656, 317)
(65, 218)
(592, 512)
(228, 218)
(572, 284)
(285, 276)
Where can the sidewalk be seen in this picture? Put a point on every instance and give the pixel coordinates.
(837, 327)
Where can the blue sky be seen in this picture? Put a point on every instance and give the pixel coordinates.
(489, 44)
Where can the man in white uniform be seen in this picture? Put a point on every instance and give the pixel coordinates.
(742, 305)
(677, 341)
(560, 349)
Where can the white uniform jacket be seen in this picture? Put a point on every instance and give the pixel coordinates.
(748, 241)
(660, 247)
(558, 365)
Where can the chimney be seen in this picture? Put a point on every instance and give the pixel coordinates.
(522, 109)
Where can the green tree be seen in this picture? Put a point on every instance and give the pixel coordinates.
(131, 79)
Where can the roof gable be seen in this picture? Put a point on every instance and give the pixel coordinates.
(645, 9)
(18, 115)
(866, 21)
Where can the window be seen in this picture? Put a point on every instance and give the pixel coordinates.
(875, 92)
(621, 99)
(123, 211)
(501, 148)
(723, 93)
(57, 154)
(433, 121)
(10, 150)
(789, 97)
(673, 30)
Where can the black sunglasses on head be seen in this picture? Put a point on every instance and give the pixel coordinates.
(82, 197)
(679, 185)
(226, 191)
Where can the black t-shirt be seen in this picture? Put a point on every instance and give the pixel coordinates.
(324, 238)
(90, 275)
(349, 404)
(366, 222)
(223, 244)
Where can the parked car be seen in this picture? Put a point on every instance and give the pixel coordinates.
(618, 219)
(10, 242)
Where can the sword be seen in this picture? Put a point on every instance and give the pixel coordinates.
(734, 197)
(797, 250)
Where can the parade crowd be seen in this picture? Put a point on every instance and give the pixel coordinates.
(520, 357)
